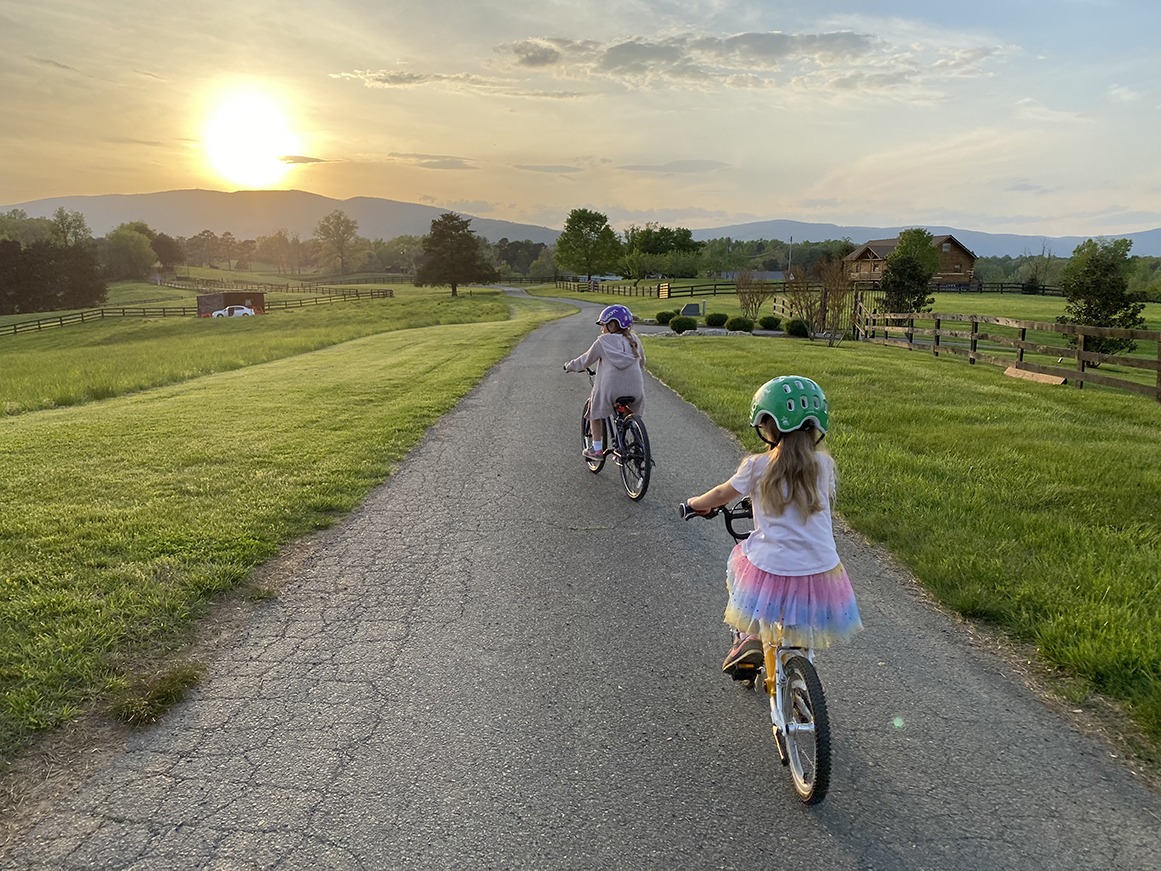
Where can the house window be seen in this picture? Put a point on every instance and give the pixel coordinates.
(957, 268)
(874, 267)
(946, 247)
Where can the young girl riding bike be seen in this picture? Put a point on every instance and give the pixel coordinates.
(620, 367)
(786, 583)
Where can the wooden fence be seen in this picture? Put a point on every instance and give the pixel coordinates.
(901, 330)
(99, 314)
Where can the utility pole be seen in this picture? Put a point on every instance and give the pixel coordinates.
(790, 260)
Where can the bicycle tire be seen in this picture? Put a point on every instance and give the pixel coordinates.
(807, 733)
(635, 457)
(587, 439)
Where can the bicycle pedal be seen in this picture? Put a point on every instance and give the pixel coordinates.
(748, 673)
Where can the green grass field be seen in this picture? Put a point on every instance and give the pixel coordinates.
(123, 518)
(1030, 506)
(84, 362)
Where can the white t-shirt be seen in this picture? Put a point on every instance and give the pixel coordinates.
(789, 544)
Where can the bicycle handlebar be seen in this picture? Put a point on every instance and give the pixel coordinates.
(741, 510)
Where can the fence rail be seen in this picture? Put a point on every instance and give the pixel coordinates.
(899, 330)
(90, 315)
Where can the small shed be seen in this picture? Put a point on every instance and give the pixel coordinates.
(208, 303)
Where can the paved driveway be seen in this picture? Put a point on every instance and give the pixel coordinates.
(500, 661)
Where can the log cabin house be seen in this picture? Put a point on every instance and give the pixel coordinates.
(956, 263)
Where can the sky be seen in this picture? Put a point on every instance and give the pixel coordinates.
(1022, 116)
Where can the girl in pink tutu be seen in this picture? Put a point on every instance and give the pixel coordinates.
(786, 582)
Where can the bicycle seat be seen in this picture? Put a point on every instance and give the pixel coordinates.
(624, 400)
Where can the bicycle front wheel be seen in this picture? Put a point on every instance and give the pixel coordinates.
(807, 733)
(635, 458)
(587, 438)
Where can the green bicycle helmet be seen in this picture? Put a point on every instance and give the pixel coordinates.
(792, 402)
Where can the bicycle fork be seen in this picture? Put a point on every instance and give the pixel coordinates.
(777, 687)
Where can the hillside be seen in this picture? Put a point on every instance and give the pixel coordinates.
(249, 214)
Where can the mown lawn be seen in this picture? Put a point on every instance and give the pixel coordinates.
(123, 518)
(1034, 507)
(81, 363)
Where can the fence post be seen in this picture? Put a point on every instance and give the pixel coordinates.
(935, 344)
(910, 334)
(1020, 350)
(1080, 347)
(975, 330)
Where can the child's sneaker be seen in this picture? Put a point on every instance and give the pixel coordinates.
(593, 454)
(745, 654)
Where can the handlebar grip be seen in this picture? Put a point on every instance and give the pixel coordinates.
(685, 511)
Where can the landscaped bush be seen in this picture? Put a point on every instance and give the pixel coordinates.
(665, 317)
(770, 322)
(716, 319)
(798, 327)
(682, 324)
(739, 324)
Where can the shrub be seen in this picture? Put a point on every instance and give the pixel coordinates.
(799, 328)
(665, 317)
(716, 319)
(770, 322)
(739, 324)
(682, 324)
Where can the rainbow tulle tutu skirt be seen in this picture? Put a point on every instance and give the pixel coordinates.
(811, 611)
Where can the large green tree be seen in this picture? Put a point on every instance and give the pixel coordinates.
(909, 270)
(588, 245)
(126, 254)
(453, 255)
(337, 235)
(1096, 284)
(69, 228)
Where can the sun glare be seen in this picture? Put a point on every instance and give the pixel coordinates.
(247, 137)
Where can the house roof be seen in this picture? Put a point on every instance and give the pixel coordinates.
(878, 249)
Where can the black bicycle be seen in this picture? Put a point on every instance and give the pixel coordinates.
(797, 704)
(627, 441)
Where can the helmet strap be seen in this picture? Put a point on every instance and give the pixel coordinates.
(762, 435)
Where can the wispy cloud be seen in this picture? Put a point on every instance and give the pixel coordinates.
(299, 158)
(433, 161)
(1122, 94)
(552, 169)
(1034, 110)
(466, 82)
(43, 61)
(679, 166)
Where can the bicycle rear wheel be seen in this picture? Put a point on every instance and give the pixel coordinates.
(635, 458)
(807, 733)
(587, 436)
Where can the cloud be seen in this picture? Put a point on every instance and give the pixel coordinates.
(1122, 94)
(463, 82)
(554, 169)
(434, 161)
(298, 158)
(1034, 110)
(1026, 187)
(472, 207)
(55, 64)
(124, 140)
(841, 60)
(679, 166)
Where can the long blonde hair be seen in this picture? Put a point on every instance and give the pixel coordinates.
(791, 476)
(615, 328)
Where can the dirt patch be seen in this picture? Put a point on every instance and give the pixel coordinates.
(52, 767)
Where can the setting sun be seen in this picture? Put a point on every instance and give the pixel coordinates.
(247, 137)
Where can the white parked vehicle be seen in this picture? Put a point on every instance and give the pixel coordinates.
(233, 311)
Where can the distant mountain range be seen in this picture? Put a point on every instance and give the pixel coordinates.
(1146, 242)
(249, 214)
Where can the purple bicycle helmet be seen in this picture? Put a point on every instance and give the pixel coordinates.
(618, 313)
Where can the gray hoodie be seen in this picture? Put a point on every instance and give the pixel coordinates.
(620, 372)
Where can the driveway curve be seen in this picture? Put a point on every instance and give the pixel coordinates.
(500, 661)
